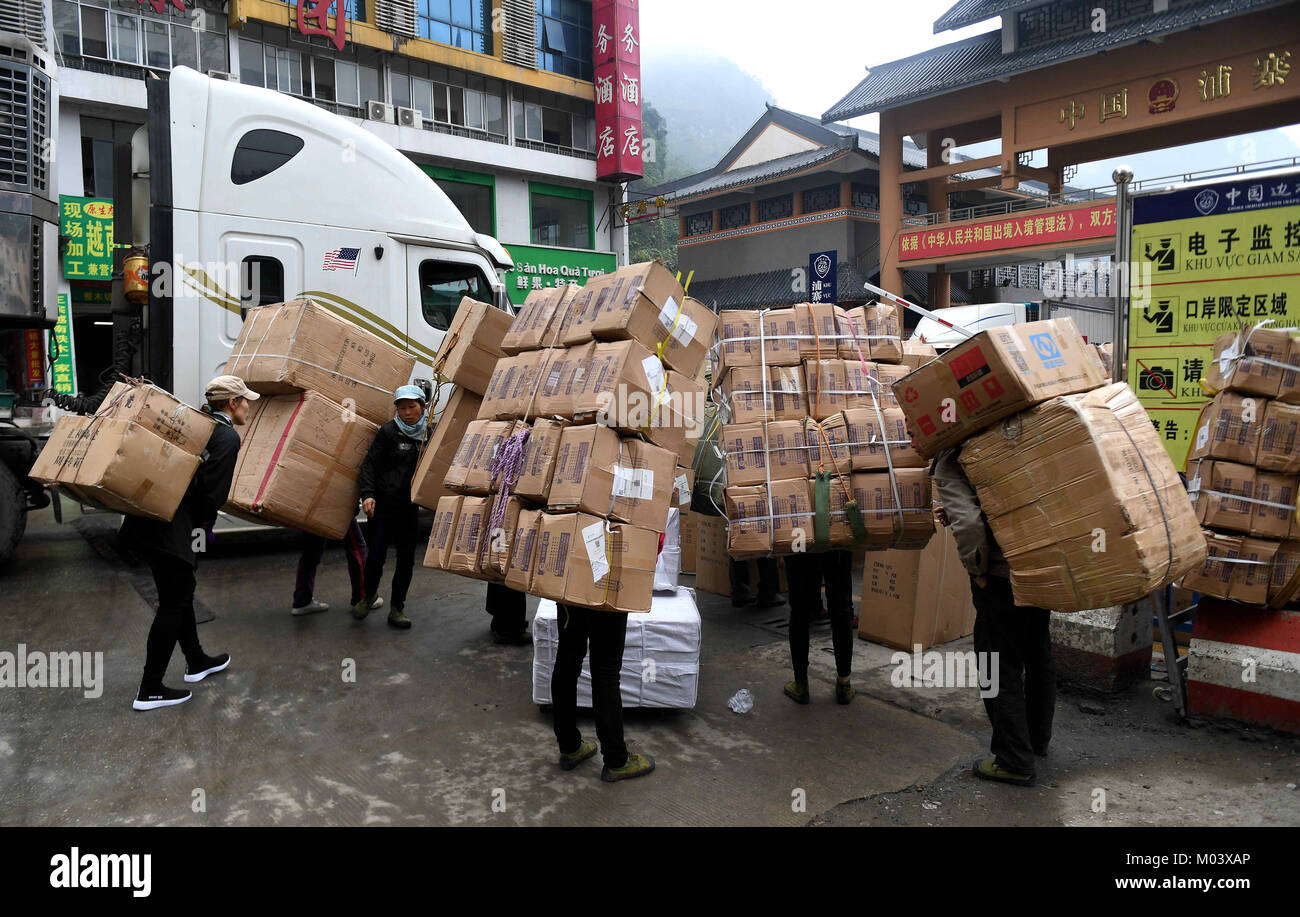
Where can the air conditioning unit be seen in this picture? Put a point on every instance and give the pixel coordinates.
(410, 117)
(223, 75)
(379, 111)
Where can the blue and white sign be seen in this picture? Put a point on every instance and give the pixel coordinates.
(823, 272)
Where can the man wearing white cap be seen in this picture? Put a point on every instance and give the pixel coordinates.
(385, 481)
(169, 549)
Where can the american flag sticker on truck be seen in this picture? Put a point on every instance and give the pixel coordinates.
(341, 259)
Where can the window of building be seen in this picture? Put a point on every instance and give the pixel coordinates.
(473, 193)
(345, 82)
(733, 217)
(260, 152)
(159, 41)
(97, 166)
(826, 197)
(699, 223)
(451, 97)
(442, 286)
(460, 23)
(261, 282)
(543, 117)
(865, 198)
(776, 208)
(562, 216)
(564, 37)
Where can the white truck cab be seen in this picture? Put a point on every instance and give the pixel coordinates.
(255, 197)
(974, 318)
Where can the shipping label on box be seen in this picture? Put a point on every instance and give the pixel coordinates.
(992, 375)
(428, 484)
(444, 527)
(472, 345)
(301, 346)
(161, 413)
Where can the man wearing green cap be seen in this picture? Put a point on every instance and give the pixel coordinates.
(385, 481)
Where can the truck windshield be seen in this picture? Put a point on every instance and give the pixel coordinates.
(442, 286)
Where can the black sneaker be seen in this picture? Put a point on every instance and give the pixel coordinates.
(205, 668)
(162, 696)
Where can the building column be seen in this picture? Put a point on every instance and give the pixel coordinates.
(891, 202)
(753, 212)
(796, 203)
(846, 193)
(681, 225)
(936, 200)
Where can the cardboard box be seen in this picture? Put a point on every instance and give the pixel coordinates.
(585, 560)
(1246, 361)
(468, 546)
(713, 564)
(1228, 428)
(991, 376)
(161, 413)
(576, 322)
(648, 305)
(1084, 501)
(624, 384)
(785, 397)
(472, 345)
(792, 521)
(115, 464)
(875, 333)
(600, 473)
(749, 532)
(1236, 568)
(820, 328)
(757, 453)
(1279, 439)
(519, 575)
(428, 484)
(531, 323)
(912, 598)
(1274, 516)
(1284, 579)
(879, 499)
(677, 421)
(510, 392)
(500, 538)
(683, 489)
(539, 460)
(869, 440)
(828, 387)
(298, 464)
(1221, 494)
(916, 354)
(444, 529)
(565, 376)
(471, 467)
(887, 377)
(689, 525)
(746, 339)
(830, 443)
(300, 346)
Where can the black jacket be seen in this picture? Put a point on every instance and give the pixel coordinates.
(389, 465)
(198, 509)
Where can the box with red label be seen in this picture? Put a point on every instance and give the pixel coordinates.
(993, 375)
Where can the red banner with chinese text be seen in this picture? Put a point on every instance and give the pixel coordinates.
(1015, 231)
(35, 359)
(616, 46)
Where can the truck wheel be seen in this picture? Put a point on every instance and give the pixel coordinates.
(13, 514)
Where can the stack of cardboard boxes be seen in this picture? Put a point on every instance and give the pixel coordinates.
(808, 391)
(136, 455)
(1078, 490)
(1243, 471)
(327, 385)
(602, 387)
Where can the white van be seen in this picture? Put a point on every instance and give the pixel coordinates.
(973, 318)
(256, 197)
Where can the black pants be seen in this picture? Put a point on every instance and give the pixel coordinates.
(606, 631)
(397, 523)
(508, 608)
(1021, 713)
(174, 621)
(805, 573)
(313, 548)
(769, 577)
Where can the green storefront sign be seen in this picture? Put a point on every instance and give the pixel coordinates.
(87, 222)
(64, 370)
(537, 268)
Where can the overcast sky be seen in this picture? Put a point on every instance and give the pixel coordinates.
(810, 53)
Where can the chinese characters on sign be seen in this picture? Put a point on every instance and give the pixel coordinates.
(160, 5)
(1220, 258)
(1094, 222)
(64, 371)
(313, 20)
(537, 268)
(616, 40)
(35, 355)
(823, 276)
(87, 223)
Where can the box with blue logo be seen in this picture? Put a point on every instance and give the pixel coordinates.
(993, 375)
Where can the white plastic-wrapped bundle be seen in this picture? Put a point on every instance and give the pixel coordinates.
(661, 659)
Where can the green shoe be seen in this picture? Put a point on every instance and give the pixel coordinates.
(586, 748)
(797, 691)
(988, 770)
(843, 691)
(361, 609)
(397, 618)
(636, 766)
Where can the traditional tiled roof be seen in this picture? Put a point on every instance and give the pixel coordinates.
(979, 60)
(772, 288)
(969, 12)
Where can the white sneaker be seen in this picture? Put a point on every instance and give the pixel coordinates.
(377, 603)
(310, 608)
